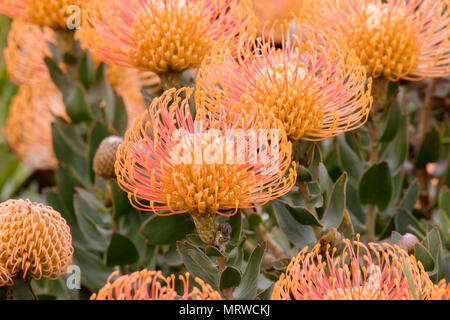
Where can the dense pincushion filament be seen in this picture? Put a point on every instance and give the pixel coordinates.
(360, 272)
(35, 241)
(161, 36)
(314, 85)
(50, 13)
(151, 167)
(152, 285)
(394, 39)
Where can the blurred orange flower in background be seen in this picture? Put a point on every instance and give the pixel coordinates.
(395, 38)
(152, 285)
(313, 84)
(50, 13)
(361, 272)
(35, 241)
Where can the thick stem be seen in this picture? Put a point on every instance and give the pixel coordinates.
(228, 292)
(206, 227)
(370, 223)
(171, 79)
(379, 94)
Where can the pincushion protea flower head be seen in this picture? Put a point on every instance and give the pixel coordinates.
(171, 163)
(24, 55)
(152, 285)
(35, 241)
(395, 38)
(312, 84)
(50, 13)
(30, 136)
(163, 36)
(372, 272)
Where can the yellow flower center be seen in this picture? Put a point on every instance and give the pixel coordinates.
(286, 90)
(385, 39)
(171, 37)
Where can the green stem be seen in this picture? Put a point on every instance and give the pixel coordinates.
(171, 79)
(370, 223)
(303, 187)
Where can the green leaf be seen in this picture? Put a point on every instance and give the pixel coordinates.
(396, 238)
(167, 229)
(86, 70)
(405, 222)
(297, 233)
(349, 160)
(22, 290)
(429, 149)
(212, 251)
(396, 151)
(93, 271)
(422, 254)
(76, 105)
(230, 277)
(334, 212)
(303, 174)
(62, 81)
(375, 186)
(254, 220)
(394, 118)
(121, 204)
(248, 288)
(409, 199)
(444, 200)
(198, 264)
(304, 216)
(236, 228)
(121, 251)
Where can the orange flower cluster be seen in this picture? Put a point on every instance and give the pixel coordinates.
(35, 242)
(160, 36)
(152, 285)
(313, 83)
(395, 38)
(180, 164)
(373, 272)
(50, 13)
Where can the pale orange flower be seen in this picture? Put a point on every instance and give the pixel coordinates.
(172, 163)
(152, 285)
(28, 127)
(360, 272)
(162, 36)
(27, 46)
(313, 84)
(35, 241)
(394, 38)
(50, 13)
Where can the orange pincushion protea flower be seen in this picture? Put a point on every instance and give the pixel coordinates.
(35, 241)
(152, 285)
(373, 272)
(312, 84)
(395, 38)
(177, 165)
(24, 55)
(162, 36)
(50, 13)
(30, 136)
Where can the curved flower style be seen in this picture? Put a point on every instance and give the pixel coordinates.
(395, 38)
(162, 36)
(312, 84)
(24, 55)
(50, 13)
(29, 136)
(206, 167)
(35, 241)
(373, 272)
(152, 285)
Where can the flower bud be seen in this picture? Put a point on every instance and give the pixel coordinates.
(408, 242)
(105, 157)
